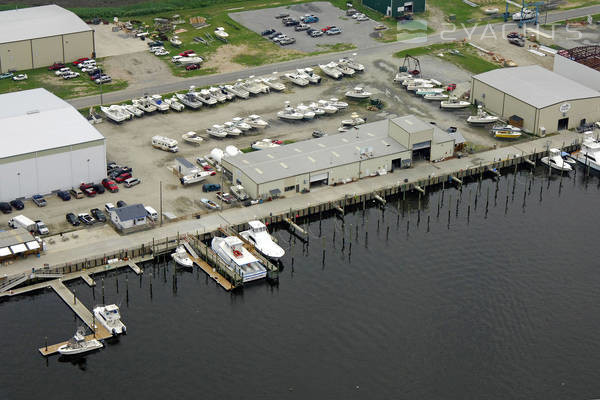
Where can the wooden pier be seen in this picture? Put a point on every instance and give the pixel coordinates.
(210, 271)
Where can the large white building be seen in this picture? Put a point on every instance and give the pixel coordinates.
(47, 145)
(581, 64)
(40, 36)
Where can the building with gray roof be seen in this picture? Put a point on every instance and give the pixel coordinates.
(36, 37)
(47, 145)
(545, 101)
(130, 218)
(369, 149)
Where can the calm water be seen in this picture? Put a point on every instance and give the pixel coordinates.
(498, 306)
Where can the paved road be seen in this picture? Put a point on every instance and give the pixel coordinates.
(383, 48)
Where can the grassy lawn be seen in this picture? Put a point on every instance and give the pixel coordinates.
(41, 77)
(465, 14)
(459, 54)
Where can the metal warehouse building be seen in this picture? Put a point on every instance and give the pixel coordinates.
(371, 149)
(581, 64)
(547, 102)
(40, 36)
(47, 145)
(396, 8)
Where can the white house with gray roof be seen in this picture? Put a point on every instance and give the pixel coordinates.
(546, 101)
(129, 218)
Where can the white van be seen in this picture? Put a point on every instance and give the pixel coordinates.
(151, 213)
(165, 143)
(132, 182)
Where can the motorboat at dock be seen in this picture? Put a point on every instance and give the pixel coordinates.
(589, 155)
(259, 236)
(181, 257)
(555, 161)
(110, 318)
(78, 344)
(238, 259)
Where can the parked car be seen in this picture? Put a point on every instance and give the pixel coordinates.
(202, 162)
(517, 41)
(121, 178)
(86, 218)
(62, 71)
(327, 28)
(20, 77)
(282, 15)
(5, 208)
(70, 75)
(291, 22)
(6, 75)
(98, 214)
(309, 19)
(225, 197)
(211, 187)
(155, 43)
(17, 204)
(87, 63)
(103, 79)
(78, 194)
(41, 227)
(98, 188)
(302, 27)
(56, 66)
(87, 189)
(513, 35)
(192, 67)
(287, 40)
(121, 203)
(187, 53)
(109, 206)
(132, 182)
(274, 34)
(314, 32)
(64, 195)
(111, 165)
(72, 219)
(267, 32)
(110, 185)
(39, 200)
(161, 52)
(334, 31)
(80, 60)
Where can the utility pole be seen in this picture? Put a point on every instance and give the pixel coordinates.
(161, 204)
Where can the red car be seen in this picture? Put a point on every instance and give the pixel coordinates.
(80, 60)
(88, 189)
(277, 141)
(110, 185)
(121, 178)
(210, 169)
(56, 66)
(186, 53)
(192, 67)
(326, 28)
(451, 87)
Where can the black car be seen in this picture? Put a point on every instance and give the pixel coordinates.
(267, 32)
(5, 208)
(86, 218)
(111, 165)
(291, 22)
(114, 173)
(99, 188)
(121, 203)
(98, 214)
(72, 219)
(64, 195)
(17, 204)
(274, 34)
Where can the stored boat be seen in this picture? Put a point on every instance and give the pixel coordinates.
(331, 70)
(115, 113)
(490, 10)
(241, 124)
(328, 108)
(307, 113)
(555, 161)
(589, 155)
(110, 318)
(506, 132)
(175, 104)
(354, 120)
(239, 192)
(264, 144)
(189, 99)
(175, 41)
(211, 205)
(296, 79)
(426, 91)
(217, 131)
(218, 94)
(133, 110)
(309, 74)
(482, 117)
(206, 97)
(192, 137)
(259, 236)
(238, 90)
(358, 93)
(159, 103)
(274, 83)
(78, 344)
(340, 105)
(346, 70)
(220, 33)
(144, 104)
(181, 257)
(256, 121)
(454, 103)
(349, 62)
(524, 15)
(252, 87)
(314, 107)
(436, 97)
(239, 260)
(195, 177)
(290, 113)
(231, 129)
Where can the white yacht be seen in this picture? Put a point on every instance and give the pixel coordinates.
(189, 99)
(110, 318)
(159, 103)
(589, 155)
(274, 83)
(231, 129)
(349, 62)
(115, 113)
(133, 110)
(232, 251)
(256, 121)
(264, 144)
(218, 94)
(192, 137)
(259, 236)
(454, 103)
(264, 88)
(181, 257)
(426, 91)
(217, 131)
(78, 344)
(241, 124)
(555, 161)
(401, 77)
(290, 113)
(482, 117)
(296, 79)
(331, 70)
(358, 93)
(206, 97)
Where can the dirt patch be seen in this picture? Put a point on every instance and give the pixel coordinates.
(221, 60)
(139, 69)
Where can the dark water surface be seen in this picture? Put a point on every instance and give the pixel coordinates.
(498, 306)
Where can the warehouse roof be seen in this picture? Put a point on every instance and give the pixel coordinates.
(535, 85)
(366, 142)
(411, 124)
(35, 120)
(38, 22)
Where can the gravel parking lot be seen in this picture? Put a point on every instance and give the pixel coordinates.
(357, 33)
(109, 43)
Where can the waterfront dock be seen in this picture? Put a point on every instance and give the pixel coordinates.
(210, 271)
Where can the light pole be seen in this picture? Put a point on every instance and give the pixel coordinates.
(19, 178)
(88, 168)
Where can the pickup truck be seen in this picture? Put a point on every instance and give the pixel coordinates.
(41, 228)
(39, 200)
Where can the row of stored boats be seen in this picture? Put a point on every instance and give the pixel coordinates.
(343, 67)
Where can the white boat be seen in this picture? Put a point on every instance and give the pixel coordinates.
(482, 117)
(423, 92)
(436, 97)
(411, 81)
(358, 93)
(331, 70)
(190, 60)
(218, 94)
(241, 124)
(217, 131)
(340, 105)
(296, 79)
(231, 129)
(354, 120)
(264, 88)
(251, 86)
(232, 251)
(78, 344)
(306, 112)
(523, 15)
(289, 113)
(159, 103)
(206, 97)
(115, 113)
(401, 77)
(175, 104)
(264, 144)
(239, 192)
(110, 318)
(327, 107)
(256, 121)
(506, 132)
(555, 161)
(189, 99)
(211, 205)
(346, 70)
(220, 33)
(317, 109)
(491, 10)
(309, 74)
(259, 236)
(175, 41)
(144, 104)
(419, 86)
(349, 62)
(195, 177)
(454, 103)
(192, 137)
(274, 83)
(133, 110)
(228, 94)
(589, 155)
(181, 257)
(237, 90)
